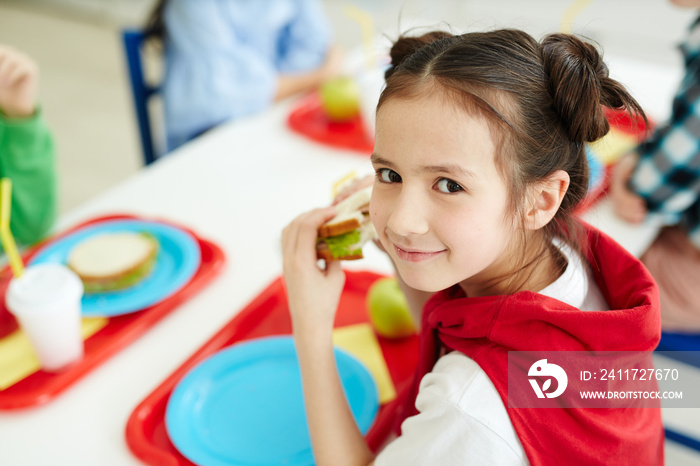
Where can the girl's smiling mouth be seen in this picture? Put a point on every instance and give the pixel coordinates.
(414, 255)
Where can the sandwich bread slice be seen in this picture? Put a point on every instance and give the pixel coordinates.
(343, 237)
(113, 261)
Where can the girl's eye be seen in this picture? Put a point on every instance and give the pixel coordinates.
(388, 176)
(447, 186)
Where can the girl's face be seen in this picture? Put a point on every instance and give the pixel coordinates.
(439, 204)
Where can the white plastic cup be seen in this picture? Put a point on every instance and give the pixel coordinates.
(46, 300)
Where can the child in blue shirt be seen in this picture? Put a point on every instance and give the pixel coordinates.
(225, 59)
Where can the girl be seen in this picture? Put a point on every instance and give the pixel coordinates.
(480, 162)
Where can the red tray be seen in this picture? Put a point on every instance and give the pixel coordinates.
(622, 121)
(40, 387)
(309, 119)
(266, 315)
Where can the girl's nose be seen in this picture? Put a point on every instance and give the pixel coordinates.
(408, 216)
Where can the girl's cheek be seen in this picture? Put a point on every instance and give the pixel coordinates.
(380, 208)
(374, 211)
(376, 220)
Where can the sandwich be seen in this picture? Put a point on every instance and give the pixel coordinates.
(343, 236)
(113, 261)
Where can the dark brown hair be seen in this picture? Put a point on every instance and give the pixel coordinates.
(155, 26)
(546, 98)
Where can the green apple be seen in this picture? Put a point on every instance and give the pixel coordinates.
(388, 309)
(340, 98)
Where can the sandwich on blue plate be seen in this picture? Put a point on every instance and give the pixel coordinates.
(113, 261)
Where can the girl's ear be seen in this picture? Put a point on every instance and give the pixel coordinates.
(547, 196)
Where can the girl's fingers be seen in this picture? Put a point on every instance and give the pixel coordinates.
(299, 237)
(309, 224)
(290, 235)
(288, 238)
(333, 269)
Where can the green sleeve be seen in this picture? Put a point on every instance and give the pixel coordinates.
(27, 158)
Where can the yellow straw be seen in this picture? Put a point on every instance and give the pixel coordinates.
(367, 26)
(8, 241)
(567, 19)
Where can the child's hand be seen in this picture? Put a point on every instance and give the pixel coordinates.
(333, 64)
(19, 77)
(626, 204)
(313, 293)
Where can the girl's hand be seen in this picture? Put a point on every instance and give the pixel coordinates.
(19, 77)
(313, 293)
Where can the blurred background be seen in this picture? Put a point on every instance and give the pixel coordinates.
(86, 97)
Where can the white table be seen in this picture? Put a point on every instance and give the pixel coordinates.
(237, 186)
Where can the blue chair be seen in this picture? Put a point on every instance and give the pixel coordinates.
(685, 348)
(141, 91)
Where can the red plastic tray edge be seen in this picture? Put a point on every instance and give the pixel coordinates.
(306, 119)
(241, 324)
(132, 325)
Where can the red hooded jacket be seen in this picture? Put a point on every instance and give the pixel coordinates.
(487, 328)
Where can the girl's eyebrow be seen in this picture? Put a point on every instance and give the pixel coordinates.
(447, 168)
(374, 158)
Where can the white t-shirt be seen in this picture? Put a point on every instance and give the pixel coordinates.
(461, 419)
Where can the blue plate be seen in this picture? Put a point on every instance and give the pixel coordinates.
(244, 405)
(178, 259)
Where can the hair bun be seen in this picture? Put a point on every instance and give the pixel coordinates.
(406, 46)
(580, 86)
